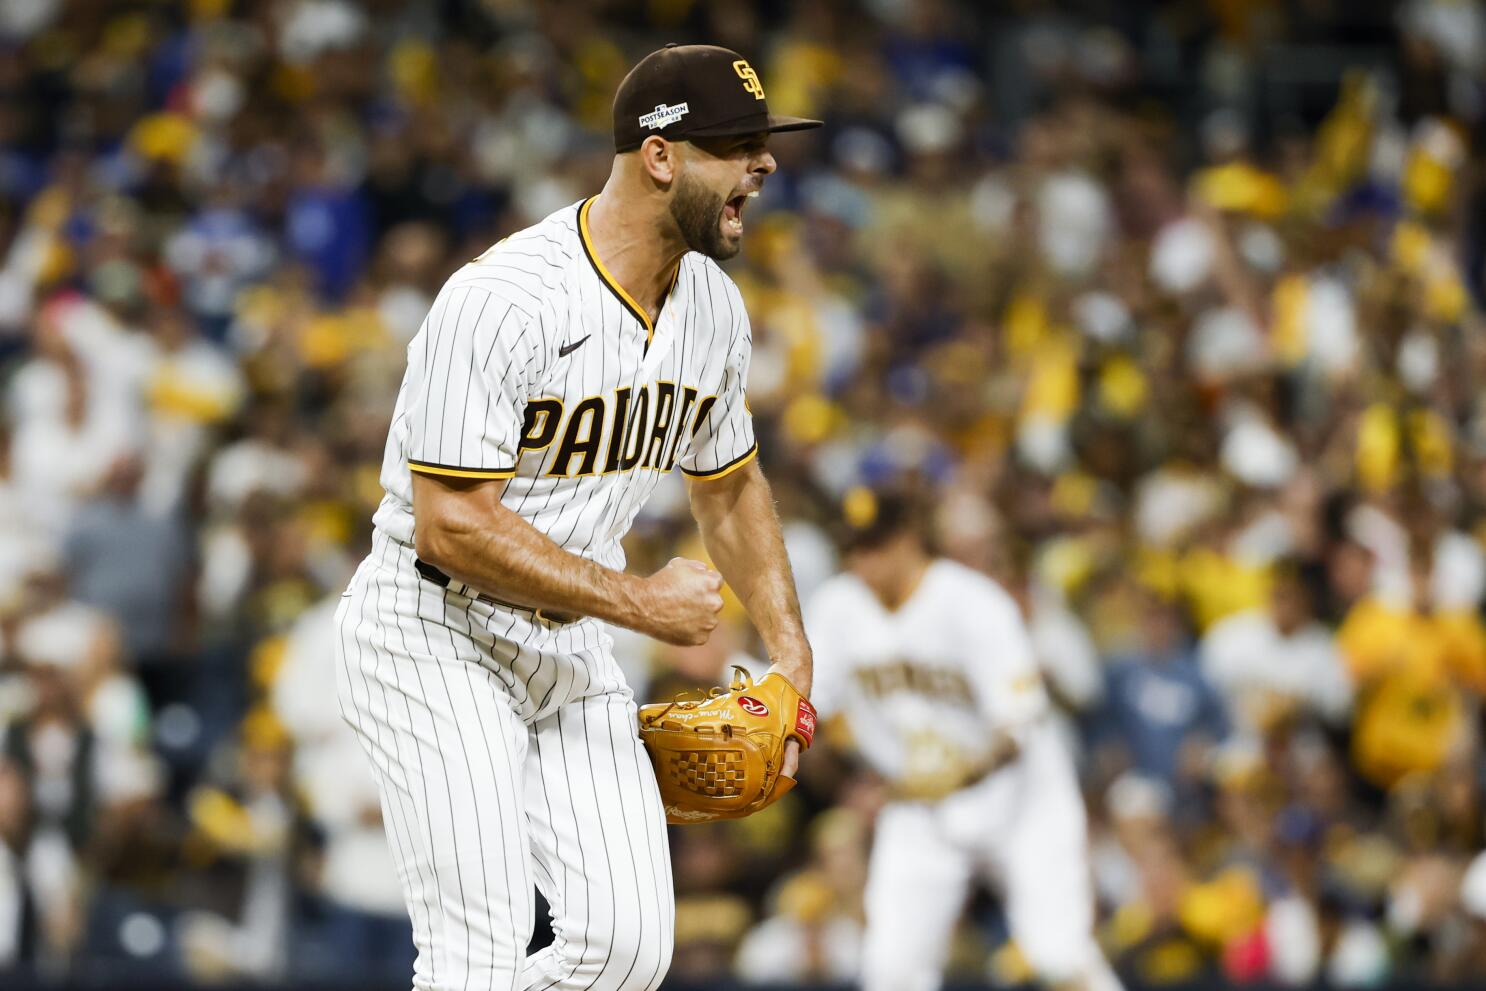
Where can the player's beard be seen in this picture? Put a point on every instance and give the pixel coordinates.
(698, 215)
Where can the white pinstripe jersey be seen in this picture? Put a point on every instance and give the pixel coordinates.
(534, 365)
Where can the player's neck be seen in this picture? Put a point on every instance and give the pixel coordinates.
(906, 581)
(629, 238)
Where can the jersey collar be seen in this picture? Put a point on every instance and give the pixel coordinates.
(625, 299)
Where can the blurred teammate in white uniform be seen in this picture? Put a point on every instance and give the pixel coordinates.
(930, 666)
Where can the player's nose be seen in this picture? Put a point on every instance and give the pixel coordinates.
(763, 163)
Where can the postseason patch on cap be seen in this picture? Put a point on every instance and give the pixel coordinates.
(682, 92)
(664, 116)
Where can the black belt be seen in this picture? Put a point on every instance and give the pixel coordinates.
(442, 580)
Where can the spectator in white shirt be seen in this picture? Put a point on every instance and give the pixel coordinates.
(1278, 661)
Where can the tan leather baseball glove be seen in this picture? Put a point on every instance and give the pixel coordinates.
(720, 757)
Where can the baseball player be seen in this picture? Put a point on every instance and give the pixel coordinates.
(555, 379)
(930, 666)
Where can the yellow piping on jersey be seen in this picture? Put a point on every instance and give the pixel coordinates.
(613, 283)
(726, 469)
(424, 468)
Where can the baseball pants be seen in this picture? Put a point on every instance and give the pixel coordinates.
(487, 794)
(1024, 826)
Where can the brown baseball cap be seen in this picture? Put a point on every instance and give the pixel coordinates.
(694, 91)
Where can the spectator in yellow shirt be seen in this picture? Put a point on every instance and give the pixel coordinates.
(1410, 664)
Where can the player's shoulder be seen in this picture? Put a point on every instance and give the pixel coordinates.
(706, 267)
(966, 587)
(712, 282)
(529, 267)
(843, 593)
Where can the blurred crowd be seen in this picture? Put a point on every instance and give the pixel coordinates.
(1175, 308)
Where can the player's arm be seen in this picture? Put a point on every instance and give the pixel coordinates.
(735, 513)
(830, 664)
(472, 369)
(462, 528)
(734, 507)
(1010, 691)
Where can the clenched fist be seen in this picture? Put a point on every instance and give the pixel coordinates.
(682, 602)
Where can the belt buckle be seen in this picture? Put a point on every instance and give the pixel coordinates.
(554, 618)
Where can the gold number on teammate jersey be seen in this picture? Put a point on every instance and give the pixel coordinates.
(750, 78)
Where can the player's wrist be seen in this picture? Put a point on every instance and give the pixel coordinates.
(796, 668)
(626, 601)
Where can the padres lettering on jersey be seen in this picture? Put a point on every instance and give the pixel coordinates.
(942, 684)
(938, 675)
(535, 366)
(619, 433)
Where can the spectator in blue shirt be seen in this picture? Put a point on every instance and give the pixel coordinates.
(1158, 704)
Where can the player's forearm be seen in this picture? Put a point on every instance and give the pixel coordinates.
(506, 557)
(741, 531)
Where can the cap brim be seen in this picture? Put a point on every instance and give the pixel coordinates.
(781, 123)
(776, 123)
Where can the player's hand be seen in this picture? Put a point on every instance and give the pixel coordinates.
(797, 672)
(791, 764)
(684, 599)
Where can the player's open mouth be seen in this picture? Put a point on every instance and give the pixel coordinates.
(732, 211)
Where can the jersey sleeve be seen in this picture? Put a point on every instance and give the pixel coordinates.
(469, 373)
(828, 667)
(1011, 692)
(723, 438)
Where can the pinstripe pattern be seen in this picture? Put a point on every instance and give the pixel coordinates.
(601, 837)
(491, 344)
(505, 745)
(481, 804)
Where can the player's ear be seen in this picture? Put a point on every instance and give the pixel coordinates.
(659, 158)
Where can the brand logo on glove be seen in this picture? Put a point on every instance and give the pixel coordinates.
(805, 721)
(753, 706)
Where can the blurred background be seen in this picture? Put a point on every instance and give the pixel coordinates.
(1174, 308)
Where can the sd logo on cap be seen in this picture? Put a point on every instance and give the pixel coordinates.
(694, 91)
